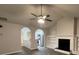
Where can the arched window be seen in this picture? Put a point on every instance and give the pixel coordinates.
(25, 37)
(39, 37)
(25, 33)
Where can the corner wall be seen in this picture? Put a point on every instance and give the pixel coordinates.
(63, 28)
(10, 38)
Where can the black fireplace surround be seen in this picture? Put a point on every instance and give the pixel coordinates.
(64, 44)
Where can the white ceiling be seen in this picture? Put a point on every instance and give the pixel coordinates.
(21, 14)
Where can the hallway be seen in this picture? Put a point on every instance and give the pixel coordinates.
(40, 51)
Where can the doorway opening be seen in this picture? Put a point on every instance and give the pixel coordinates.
(39, 37)
(25, 37)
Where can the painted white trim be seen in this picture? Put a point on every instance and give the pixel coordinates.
(76, 52)
(12, 52)
(62, 51)
(50, 47)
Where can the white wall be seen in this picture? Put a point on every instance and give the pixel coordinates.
(63, 28)
(51, 41)
(10, 38)
(78, 32)
(78, 27)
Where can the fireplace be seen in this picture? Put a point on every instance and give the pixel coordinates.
(64, 44)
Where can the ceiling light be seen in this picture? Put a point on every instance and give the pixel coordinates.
(41, 21)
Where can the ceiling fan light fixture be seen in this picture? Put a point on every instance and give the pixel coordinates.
(44, 17)
(41, 21)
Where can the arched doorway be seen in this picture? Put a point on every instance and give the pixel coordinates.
(39, 37)
(25, 37)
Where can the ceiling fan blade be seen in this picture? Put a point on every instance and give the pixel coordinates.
(48, 20)
(3, 18)
(47, 15)
(1, 26)
(34, 15)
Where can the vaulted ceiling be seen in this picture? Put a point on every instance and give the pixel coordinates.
(21, 13)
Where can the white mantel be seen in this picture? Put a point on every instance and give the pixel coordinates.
(67, 37)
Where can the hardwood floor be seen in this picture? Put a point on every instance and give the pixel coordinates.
(40, 51)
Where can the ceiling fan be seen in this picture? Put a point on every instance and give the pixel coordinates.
(42, 18)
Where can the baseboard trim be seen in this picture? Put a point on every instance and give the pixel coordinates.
(49, 47)
(12, 52)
